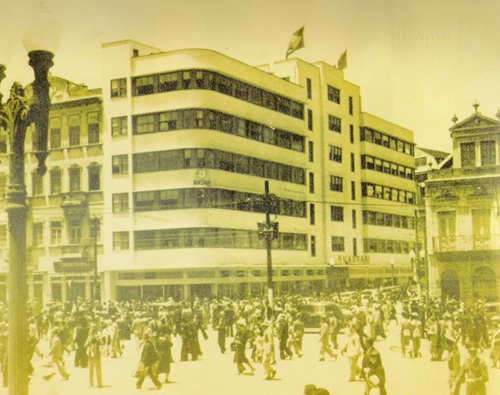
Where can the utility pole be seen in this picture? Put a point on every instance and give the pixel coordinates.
(95, 225)
(268, 231)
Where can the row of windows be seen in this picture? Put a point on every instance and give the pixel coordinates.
(387, 246)
(56, 233)
(74, 136)
(215, 120)
(216, 159)
(214, 238)
(373, 136)
(386, 219)
(387, 193)
(74, 180)
(210, 80)
(385, 166)
(487, 152)
(171, 199)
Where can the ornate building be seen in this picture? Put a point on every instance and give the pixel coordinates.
(462, 207)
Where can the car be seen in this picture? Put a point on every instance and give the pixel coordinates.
(492, 314)
(312, 312)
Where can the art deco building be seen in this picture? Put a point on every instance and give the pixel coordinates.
(190, 137)
(462, 205)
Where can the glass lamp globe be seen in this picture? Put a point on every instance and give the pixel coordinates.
(42, 29)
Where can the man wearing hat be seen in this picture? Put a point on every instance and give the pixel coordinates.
(57, 352)
(474, 372)
(147, 363)
(453, 362)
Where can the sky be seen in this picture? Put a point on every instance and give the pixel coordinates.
(417, 62)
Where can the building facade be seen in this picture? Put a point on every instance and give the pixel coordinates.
(171, 157)
(60, 249)
(462, 204)
(191, 136)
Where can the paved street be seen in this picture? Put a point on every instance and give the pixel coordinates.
(216, 374)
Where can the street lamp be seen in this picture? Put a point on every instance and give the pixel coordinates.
(40, 40)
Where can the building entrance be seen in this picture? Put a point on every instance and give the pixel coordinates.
(450, 285)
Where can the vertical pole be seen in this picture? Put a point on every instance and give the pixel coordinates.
(268, 238)
(417, 257)
(95, 224)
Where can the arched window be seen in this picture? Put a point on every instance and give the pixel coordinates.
(484, 284)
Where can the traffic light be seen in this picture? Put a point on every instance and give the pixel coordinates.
(276, 232)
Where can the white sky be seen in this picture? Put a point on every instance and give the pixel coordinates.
(417, 61)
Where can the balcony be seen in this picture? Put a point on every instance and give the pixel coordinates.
(464, 172)
(450, 248)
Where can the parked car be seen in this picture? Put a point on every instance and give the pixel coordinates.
(492, 313)
(312, 312)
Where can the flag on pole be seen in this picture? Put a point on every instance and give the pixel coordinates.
(342, 62)
(296, 42)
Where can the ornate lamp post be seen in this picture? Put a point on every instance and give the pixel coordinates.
(41, 39)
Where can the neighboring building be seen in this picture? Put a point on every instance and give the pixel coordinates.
(190, 137)
(462, 204)
(60, 247)
(426, 160)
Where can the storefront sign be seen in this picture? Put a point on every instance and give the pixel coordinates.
(352, 260)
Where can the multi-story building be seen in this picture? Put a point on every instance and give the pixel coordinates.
(190, 136)
(462, 205)
(62, 202)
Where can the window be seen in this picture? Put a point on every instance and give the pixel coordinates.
(37, 234)
(55, 181)
(351, 106)
(55, 232)
(337, 213)
(55, 138)
(119, 126)
(313, 245)
(311, 182)
(354, 219)
(75, 233)
(74, 135)
(335, 154)
(121, 241)
(74, 179)
(354, 246)
(488, 154)
(309, 88)
(333, 94)
(353, 190)
(336, 183)
(309, 119)
(3, 236)
(3, 184)
(352, 161)
(468, 154)
(94, 178)
(351, 133)
(37, 183)
(145, 124)
(120, 164)
(120, 202)
(334, 124)
(93, 131)
(119, 87)
(311, 151)
(338, 243)
(312, 214)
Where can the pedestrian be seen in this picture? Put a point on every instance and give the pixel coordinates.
(81, 334)
(239, 347)
(405, 333)
(432, 333)
(163, 348)
(93, 346)
(282, 329)
(475, 373)
(324, 339)
(57, 353)
(221, 327)
(453, 364)
(268, 350)
(416, 335)
(495, 347)
(147, 363)
(352, 350)
(373, 369)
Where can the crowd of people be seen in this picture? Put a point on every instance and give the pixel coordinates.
(254, 333)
